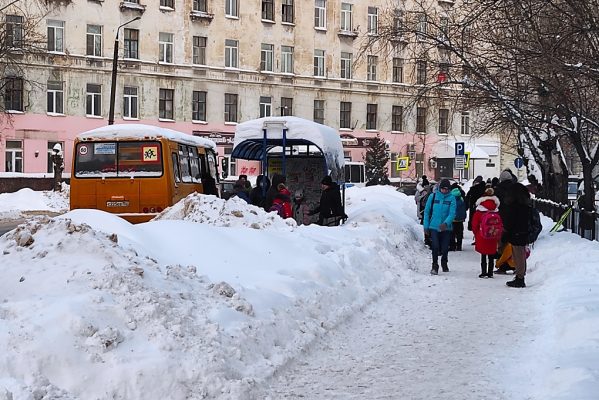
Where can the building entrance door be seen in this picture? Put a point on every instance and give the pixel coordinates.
(444, 168)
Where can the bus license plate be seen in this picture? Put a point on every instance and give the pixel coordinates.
(117, 204)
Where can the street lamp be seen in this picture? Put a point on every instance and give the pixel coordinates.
(115, 57)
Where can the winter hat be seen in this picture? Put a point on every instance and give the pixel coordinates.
(478, 179)
(489, 191)
(505, 176)
(299, 194)
(444, 184)
(327, 180)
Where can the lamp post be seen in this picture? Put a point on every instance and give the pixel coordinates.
(115, 57)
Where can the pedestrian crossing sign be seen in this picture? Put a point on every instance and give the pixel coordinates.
(403, 163)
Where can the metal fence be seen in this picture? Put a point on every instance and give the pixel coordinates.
(583, 223)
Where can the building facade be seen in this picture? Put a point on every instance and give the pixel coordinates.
(202, 66)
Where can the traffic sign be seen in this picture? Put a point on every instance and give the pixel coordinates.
(460, 161)
(460, 148)
(467, 162)
(519, 162)
(403, 163)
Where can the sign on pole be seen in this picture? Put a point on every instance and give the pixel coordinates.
(518, 162)
(467, 162)
(403, 163)
(460, 148)
(459, 162)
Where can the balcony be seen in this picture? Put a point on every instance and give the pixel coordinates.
(348, 34)
(132, 6)
(196, 15)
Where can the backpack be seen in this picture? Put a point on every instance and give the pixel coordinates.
(534, 225)
(422, 201)
(278, 207)
(491, 225)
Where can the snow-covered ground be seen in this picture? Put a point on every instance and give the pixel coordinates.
(221, 300)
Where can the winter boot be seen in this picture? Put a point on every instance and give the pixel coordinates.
(444, 266)
(490, 270)
(458, 246)
(516, 283)
(483, 269)
(435, 269)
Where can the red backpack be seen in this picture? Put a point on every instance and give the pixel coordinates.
(491, 225)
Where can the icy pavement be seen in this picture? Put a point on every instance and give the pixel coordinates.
(456, 337)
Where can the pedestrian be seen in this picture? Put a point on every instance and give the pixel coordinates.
(457, 233)
(423, 187)
(258, 194)
(281, 202)
(245, 184)
(515, 212)
(439, 213)
(301, 212)
(534, 187)
(330, 210)
(475, 192)
(487, 227)
(239, 191)
(272, 191)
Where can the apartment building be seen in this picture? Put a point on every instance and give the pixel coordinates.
(202, 66)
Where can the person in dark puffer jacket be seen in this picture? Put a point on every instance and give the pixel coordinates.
(330, 210)
(515, 214)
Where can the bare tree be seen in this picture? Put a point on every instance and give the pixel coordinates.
(529, 66)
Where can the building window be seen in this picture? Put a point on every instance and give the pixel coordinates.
(398, 22)
(397, 118)
(372, 63)
(265, 106)
(371, 114)
(397, 70)
(199, 50)
(346, 17)
(131, 44)
(421, 26)
(319, 63)
(443, 28)
(443, 121)
(165, 104)
(465, 123)
(13, 94)
(345, 115)
(346, 65)
(198, 106)
(266, 57)
(287, 13)
(286, 106)
(200, 5)
(421, 72)
(56, 36)
(167, 4)
(320, 14)
(130, 102)
(14, 31)
(268, 10)
(165, 41)
(50, 153)
(421, 119)
(231, 53)
(287, 59)
(373, 20)
(231, 8)
(55, 97)
(94, 41)
(93, 105)
(230, 107)
(319, 111)
(14, 156)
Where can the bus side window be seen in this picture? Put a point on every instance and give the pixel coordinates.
(196, 167)
(184, 164)
(176, 173)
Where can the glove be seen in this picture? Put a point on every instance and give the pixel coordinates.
(427, 232)
(442, 227)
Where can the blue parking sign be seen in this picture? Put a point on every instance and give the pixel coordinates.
(460, 148)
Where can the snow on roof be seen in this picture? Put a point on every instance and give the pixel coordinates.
(141, 131)
(326, 138)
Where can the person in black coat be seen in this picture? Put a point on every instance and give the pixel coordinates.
(330, 211)
(476, 192)
(258, 194)
(515, 214)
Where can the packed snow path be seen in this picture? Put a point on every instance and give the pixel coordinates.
(457, 337)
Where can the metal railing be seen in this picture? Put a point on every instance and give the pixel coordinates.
(583, 223)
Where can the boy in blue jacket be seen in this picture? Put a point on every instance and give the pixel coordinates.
(439, 213)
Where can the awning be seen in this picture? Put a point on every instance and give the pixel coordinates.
(446, 149)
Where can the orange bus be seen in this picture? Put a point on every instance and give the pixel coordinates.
(135, 171)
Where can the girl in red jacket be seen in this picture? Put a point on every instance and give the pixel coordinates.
(282, 202)
(487, 228)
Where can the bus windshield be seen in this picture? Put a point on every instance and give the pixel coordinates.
(118, 159)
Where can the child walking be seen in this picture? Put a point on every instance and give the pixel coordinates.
(487, 228)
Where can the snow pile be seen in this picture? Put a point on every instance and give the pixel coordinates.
(94, 307)
(211, 210)
(15, 205)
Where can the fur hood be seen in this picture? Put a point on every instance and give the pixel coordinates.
(491, 203)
